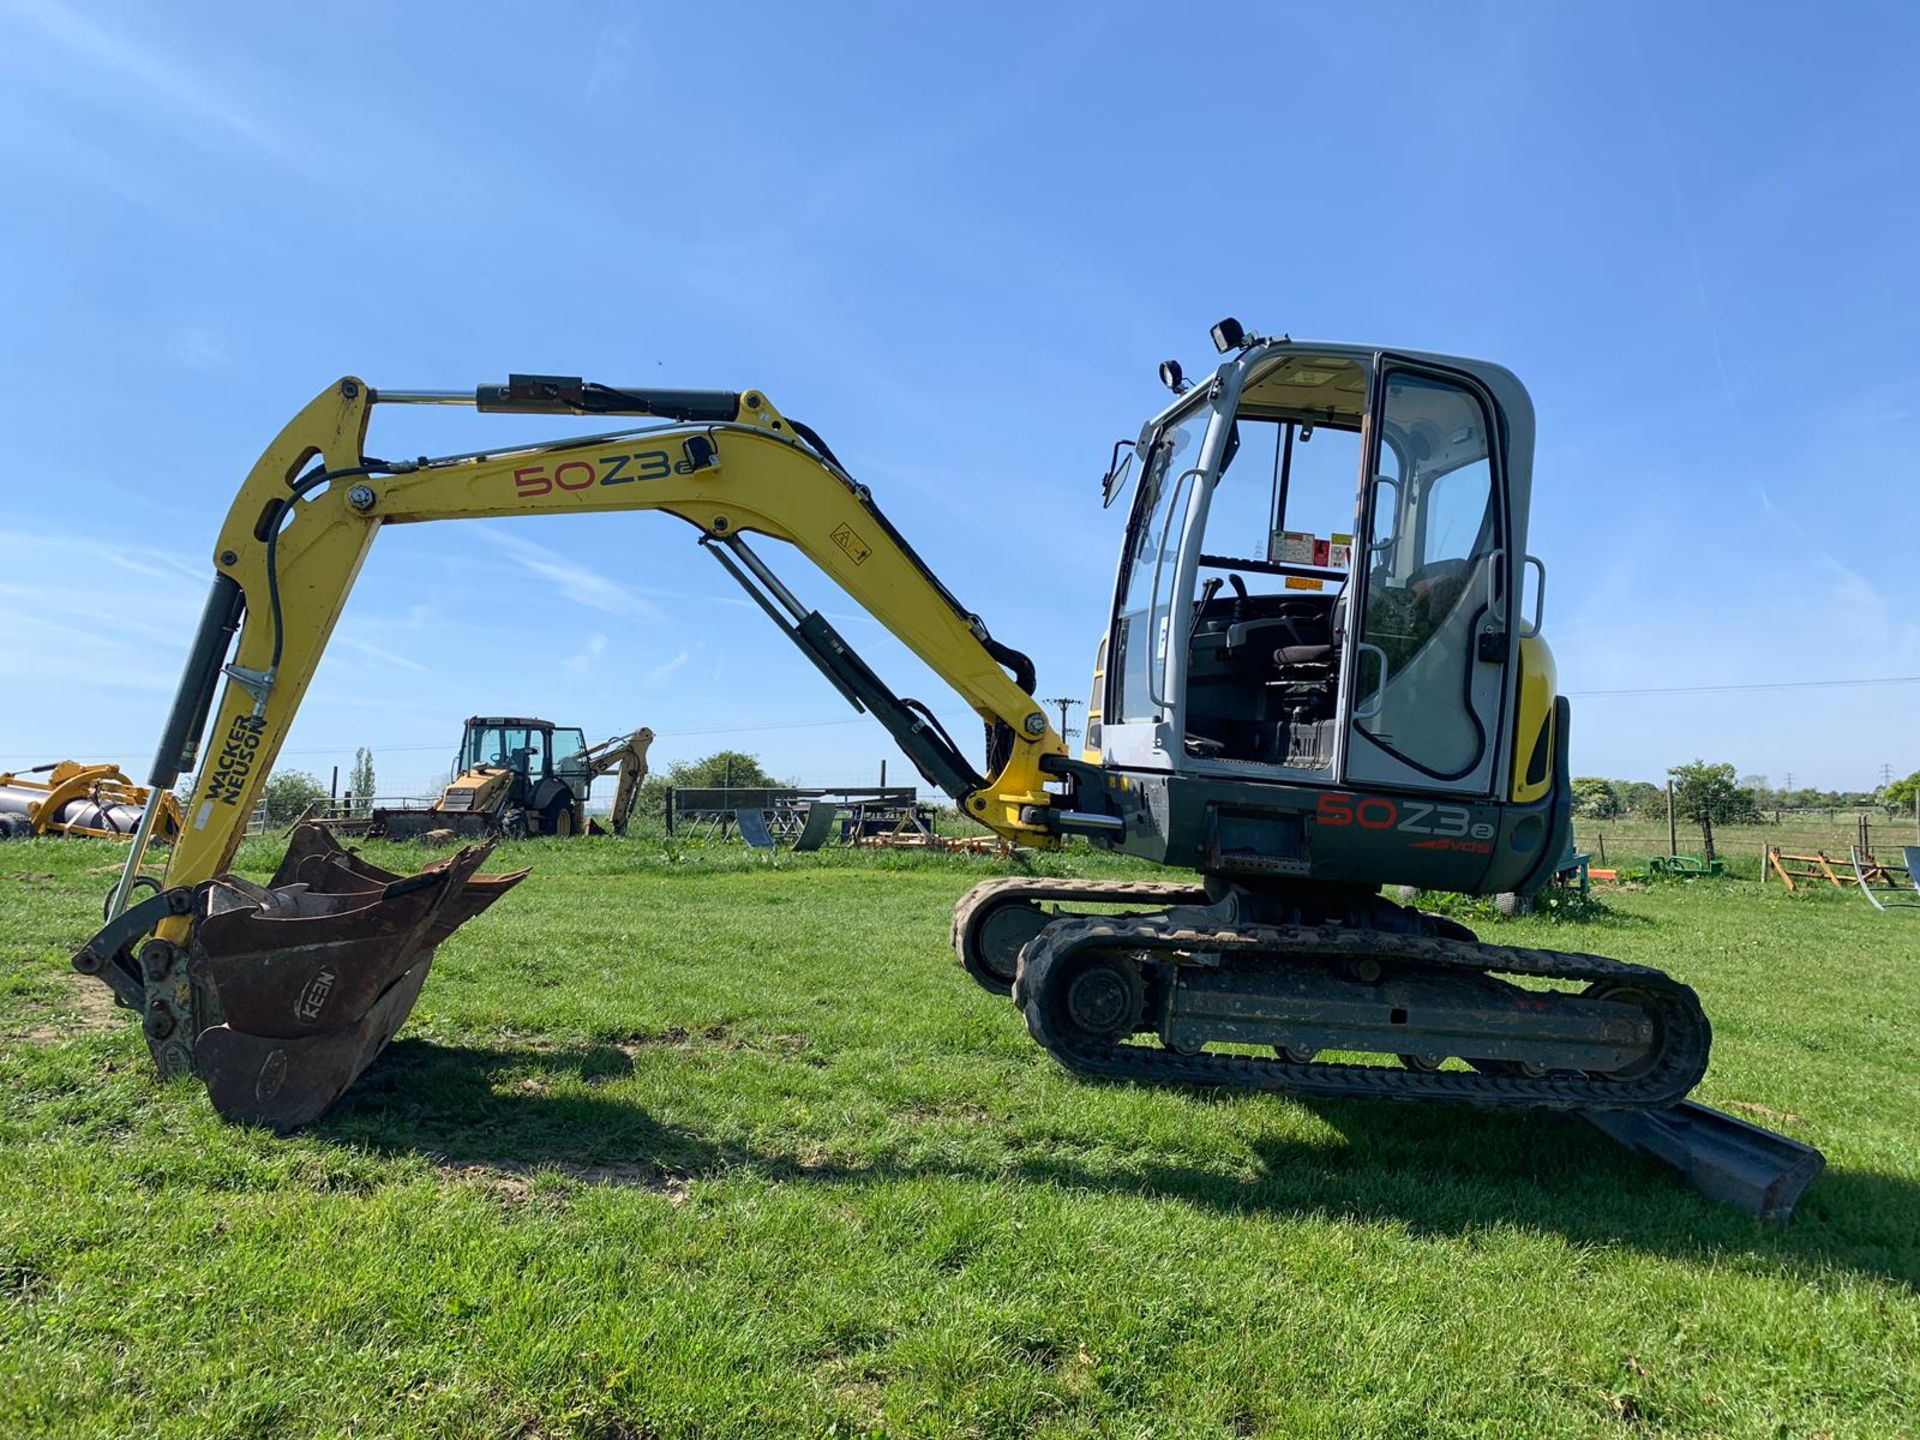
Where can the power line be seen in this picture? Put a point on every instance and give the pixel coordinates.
(1754, 685)
(1064, 702)
(444, 746)
(658, 734)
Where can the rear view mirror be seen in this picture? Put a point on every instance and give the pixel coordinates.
(1119, 467)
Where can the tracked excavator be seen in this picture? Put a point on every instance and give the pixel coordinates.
(1322, 673)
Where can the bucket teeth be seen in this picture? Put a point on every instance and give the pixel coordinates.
(312, 975)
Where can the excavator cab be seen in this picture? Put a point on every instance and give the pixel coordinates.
(1318, 593)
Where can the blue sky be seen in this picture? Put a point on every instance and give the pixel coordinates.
(956, 242)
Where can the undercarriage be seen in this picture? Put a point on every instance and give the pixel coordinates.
(1332, 992)
(1307, 989)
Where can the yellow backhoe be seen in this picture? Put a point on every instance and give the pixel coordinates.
(1322, 674)
(522, 776)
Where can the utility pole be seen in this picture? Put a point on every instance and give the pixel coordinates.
(1673, 835)
(1065, 702)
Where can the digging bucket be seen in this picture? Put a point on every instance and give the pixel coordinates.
(290, 990)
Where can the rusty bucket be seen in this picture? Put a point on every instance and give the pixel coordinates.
(293, 988)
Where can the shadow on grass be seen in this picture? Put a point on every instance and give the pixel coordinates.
(1439, 1172)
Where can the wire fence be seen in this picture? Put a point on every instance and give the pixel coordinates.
(347, 808)
(1629, 839)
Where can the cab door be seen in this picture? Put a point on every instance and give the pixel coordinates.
(1144, 658)
(1426, 648)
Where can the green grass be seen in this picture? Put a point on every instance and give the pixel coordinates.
(693, 1144)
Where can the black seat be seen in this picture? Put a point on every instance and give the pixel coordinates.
(1290, 655)
(1303, 672)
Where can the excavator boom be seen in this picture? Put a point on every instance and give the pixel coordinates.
(339, 943)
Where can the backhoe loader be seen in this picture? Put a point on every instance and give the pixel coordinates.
(521, 776)
(1322, 673)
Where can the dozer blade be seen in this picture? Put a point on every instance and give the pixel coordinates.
(301, 983)
(1724, 1158)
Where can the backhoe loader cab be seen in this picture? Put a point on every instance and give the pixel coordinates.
(1319, 660)
(528, 769)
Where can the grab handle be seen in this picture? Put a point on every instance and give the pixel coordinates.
(1156, 651)
(1370, 707)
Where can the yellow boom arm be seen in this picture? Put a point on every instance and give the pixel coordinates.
(628, 755)
(302, 523)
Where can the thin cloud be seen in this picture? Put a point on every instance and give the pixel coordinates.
(376, 652)
(173, 91)
(1876, 626)
(613, 55)
(196, 348)
(576, 582)
(660, 672)
(580, 663)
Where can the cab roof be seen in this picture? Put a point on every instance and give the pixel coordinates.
(523, 721)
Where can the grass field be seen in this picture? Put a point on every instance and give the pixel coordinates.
(692, 1144)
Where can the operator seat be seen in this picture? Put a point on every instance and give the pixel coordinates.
(1304, 671)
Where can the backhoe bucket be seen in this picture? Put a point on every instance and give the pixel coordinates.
(301, 983)
(433, 824)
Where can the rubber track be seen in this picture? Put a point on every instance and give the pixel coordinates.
(1688, 1033)
(990, 895)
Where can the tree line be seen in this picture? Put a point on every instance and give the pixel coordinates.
(1751, 798)
(1707, 794)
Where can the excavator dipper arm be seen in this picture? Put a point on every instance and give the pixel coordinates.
(247, 986)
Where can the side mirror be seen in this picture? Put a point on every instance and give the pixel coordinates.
(1119, 467)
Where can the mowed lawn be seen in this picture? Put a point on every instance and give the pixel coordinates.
(692, 1144)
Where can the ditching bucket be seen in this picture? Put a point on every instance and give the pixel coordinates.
(293, 988)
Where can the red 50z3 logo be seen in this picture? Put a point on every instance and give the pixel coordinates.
(532, 481)
(1452, 827)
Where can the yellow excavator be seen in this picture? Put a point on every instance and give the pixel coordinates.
(1322, 674)
(522, 776)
